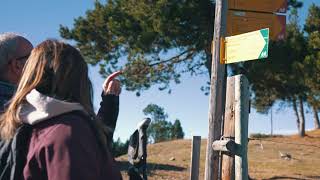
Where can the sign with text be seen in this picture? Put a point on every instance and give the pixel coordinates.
(271, 6)
(249, 46)
(242, 22)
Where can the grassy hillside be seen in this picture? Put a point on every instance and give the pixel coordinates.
(170, 160)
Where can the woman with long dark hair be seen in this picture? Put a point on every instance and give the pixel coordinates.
(54, 97)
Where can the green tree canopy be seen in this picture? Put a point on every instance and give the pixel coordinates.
(160, 129)
(155, 42)
(312, 61)
(281, 77)
(156, 112)
(160, 40)
(277, 77)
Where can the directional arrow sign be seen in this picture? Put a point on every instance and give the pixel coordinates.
(244, 47)
(272, 6)
(242, 22)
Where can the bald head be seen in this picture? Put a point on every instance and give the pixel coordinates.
(13, 47)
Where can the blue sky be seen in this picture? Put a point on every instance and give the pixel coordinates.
(40, 19)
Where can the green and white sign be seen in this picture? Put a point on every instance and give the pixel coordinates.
(244, 47)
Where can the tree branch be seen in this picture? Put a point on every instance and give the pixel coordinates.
(176, 57)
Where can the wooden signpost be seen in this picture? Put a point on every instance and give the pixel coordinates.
(217, 92)
(249, 15)
(237, 17)
(242, 22)
(271, 6)
(234, 144)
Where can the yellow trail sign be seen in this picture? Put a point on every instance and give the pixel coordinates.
(244, 47)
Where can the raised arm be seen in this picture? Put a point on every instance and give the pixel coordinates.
(109, 106)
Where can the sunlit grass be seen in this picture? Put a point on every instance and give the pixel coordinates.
(264, 158)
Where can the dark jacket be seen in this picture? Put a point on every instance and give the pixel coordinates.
(66, 148)
(13, 153)
(108, 114)
(6, 93)
(8, 163)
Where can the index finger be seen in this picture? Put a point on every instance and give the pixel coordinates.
(111, 77)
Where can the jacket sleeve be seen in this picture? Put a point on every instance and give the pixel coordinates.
(108, 113)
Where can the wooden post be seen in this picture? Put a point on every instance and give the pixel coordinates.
(195, 158)
(217, 92)
(241, 125)
(228, 158)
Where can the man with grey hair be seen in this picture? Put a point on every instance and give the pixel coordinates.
(14, 51)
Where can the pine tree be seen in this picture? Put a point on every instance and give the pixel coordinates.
(155, 42)
(177, 132)
(280, 78)
(312, 61)
(160, 129)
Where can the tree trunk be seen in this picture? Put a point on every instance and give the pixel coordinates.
(302, 119)
(295, 109)
(316, 117)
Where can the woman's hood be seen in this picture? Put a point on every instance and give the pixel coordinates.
(39, 107)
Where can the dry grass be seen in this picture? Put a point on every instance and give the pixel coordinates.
(264, 158)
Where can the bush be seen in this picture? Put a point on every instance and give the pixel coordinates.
(119, 148)
(260, 135)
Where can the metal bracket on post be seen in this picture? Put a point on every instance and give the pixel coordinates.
(222, 50)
